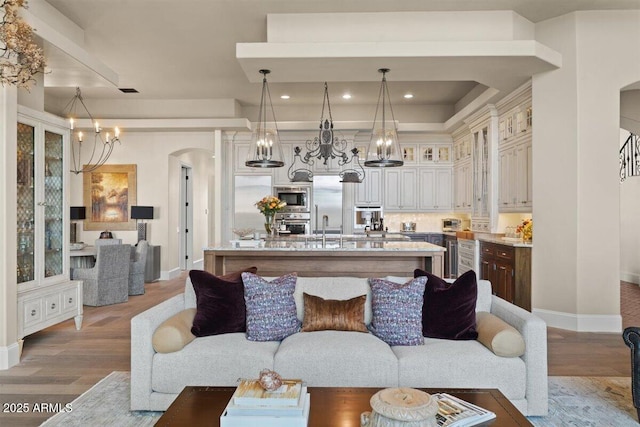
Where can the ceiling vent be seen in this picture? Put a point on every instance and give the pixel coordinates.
(128, 90)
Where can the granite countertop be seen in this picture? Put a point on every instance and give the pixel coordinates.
(498, 238)
(330, 245)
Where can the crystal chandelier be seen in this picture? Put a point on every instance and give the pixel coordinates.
(324, 147)
(265, 150)
(384, 149)
(102, 145)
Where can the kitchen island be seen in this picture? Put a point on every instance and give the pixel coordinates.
(313, 258)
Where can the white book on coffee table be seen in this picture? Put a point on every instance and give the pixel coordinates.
(228, 420)
(235, 409)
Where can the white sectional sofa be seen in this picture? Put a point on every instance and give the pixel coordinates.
(338, 358)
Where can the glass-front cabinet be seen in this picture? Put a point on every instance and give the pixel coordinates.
(40, 202)
(46, 295)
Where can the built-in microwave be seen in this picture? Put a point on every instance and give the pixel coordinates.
(296, 198)
(451, 224)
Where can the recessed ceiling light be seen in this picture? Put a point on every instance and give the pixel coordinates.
(284, 97)
(346, 96)
(408, 95)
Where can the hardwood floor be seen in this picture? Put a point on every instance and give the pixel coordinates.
(60, 363)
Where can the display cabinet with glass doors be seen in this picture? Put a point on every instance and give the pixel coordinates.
(46, 295)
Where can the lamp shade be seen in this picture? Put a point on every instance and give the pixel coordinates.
(141, 212)
(78, 212)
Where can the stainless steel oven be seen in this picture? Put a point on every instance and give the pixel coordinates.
(296, 198)
(294, 222)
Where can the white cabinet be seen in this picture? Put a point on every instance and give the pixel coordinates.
(48, 305)
(434, 153)
(400, 185)
(516, 193)
(42, 213)
(369, 191)
(463, 194)
(281, 175)
(435, 189)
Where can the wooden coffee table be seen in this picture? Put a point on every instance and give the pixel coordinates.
(330, 406)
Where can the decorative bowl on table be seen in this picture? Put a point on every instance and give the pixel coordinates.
(77, 246)
(243, 233)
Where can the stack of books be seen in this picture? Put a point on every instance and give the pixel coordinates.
(251, 406)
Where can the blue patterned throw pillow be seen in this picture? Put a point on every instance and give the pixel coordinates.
(397, 311)
(271, 308)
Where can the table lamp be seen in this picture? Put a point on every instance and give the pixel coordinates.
(142, 212)
(77, 213)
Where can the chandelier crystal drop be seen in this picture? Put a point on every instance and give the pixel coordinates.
(384, 149)
(266, 149)
(102, 145)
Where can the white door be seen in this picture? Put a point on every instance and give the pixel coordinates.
(186, 219)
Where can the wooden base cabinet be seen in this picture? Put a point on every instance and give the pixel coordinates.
(508, 268)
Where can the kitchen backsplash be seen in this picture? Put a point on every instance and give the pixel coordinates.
(425, 222)
(432, 222)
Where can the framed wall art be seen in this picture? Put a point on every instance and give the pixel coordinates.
(109, 193)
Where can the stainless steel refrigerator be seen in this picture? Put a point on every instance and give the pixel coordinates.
(327, 200)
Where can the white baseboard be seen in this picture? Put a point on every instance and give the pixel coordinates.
(626, 276)
(9, 356)
(170, 274)
(581, 322)
(198, 264)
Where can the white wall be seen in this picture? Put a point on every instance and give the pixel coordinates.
(576, 258)
(158, 181)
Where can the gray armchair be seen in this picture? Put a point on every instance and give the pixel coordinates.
(108, 281)
(136, 268)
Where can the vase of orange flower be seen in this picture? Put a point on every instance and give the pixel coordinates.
(269, 206)
(525, 229)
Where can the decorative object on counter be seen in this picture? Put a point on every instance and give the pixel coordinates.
(20, 57)
(408, 226)
(244, 233)
(384, 149)
(265, 150)
(526, 230)
(102, 145)
(269, 380)
(76, 213)
(269, 206)
(401, 407)
(142, 212)
(324, 147)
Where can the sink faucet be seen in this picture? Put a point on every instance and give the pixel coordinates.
(325, 222)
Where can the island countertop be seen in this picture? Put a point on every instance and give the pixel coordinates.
(313, 259)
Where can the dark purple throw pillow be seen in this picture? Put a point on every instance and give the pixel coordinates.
(449, 309)
(220, 303)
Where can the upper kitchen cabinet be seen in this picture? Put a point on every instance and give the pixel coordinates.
(435, 153)
(369, 191)
(400, 189)
(483, 127)
(462, 171)
(281, 175)
(515, 151)
(435, 189)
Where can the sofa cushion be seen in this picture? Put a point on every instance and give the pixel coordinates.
(328, 314)
(337, 359)
(397, 311)
(460, 364)
(498, 336)
(271, 308)
(220, 303)
(217, 360)
(449, 309)
(175, 332)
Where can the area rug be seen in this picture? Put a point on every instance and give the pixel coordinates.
(573, 401)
